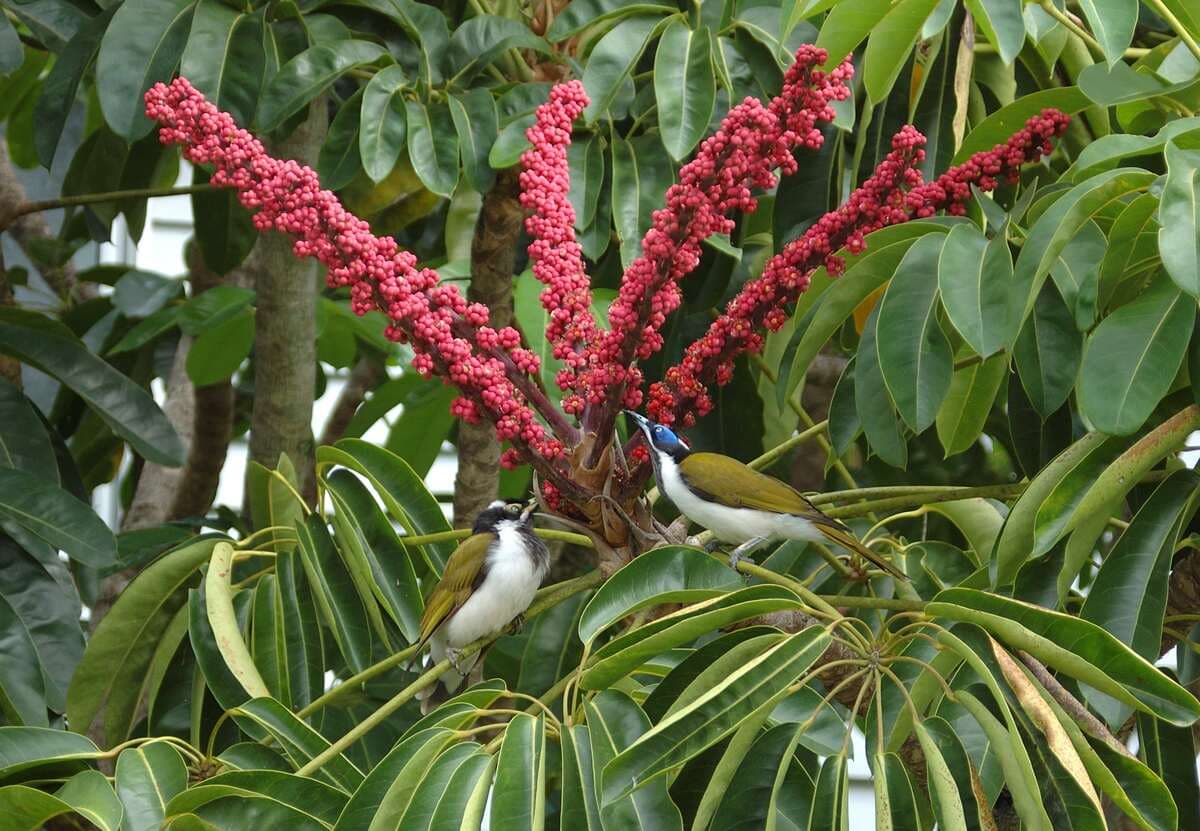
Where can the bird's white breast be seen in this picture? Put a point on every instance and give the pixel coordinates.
(735, 525)
(512, 579)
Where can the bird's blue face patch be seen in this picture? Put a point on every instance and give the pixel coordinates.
(665, 439)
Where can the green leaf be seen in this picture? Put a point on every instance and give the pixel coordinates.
(218, 351)
(579, 808)
(148, 776)
(703, 661)
(300, 742)
(1143, 344)
(975, 278)
(482, 39)
(914, 354)
(641, 173)
(615, 722)
(671, 574)
(433, 146)
(142, 293)
(363, 526)
(22, 687)
(1073, 646)
(1077, 274)
(309, 74)
(119, 651)
(24, 443)
(417, 435)
(876, 411)
(218, 603)
(403, 493)
(26, 750)
(86, 794)
(477, 124)
(383, 797)
(586, 160)
(1002, 24)
(998, 126)
(12, 53)
(716, 714)
(847, 24)
(245, 798)
(580, 14)
(1047, 352)
(224, 230)
(333, 588)
(272, 497)
(381, 136)
(56, 516)
(968, 402)
(1113, 22)
(435, 781)
(830, 805)
(461, 803)
(895, 797)
(1059, 510)
(224, 58)
(613, 58)
(300, 642)
(56, 99)
(888, 46)
(147, 330)
(1179, 219)
(213, 307)
(339, 160)
(510, 143)
(123, 405)
(1169, 752)
(551, 647)
(773, 783)
(947, 806)
(685, 87)
(141, 47)
(519, 795)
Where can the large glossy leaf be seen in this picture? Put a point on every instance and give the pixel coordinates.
(1002, 23)
(1170, 752)
(339, 160)
(461, 804)
(1143, 344)
(141, 46)
(123, 405)
(1048, 351)
(1001, 124)
(914, 354)
(475, 119)
(1113, 22)
(55, 516)
(433, 146)
(876, 410)
(148, 777)
(890, 42)
(56, 99)
(24, 444)
(1179, 219)
(831, 800)
(702, 660)
(482, 39)
(24, 750)
(224, 58)
(975, 282)
(685, 87)
(22, 687)
(244, 798)
(614, 722)
(613, 58)
(218, 352)
(519, 795)
(299, 741)
(1076, 647)
(846, 26)
(580, 14)
(381, 136)
(552, 646)
(299, 643)
(402, 491)
(388, 790)
(773, 784)
(86, 794)
(308, 74)
(641, 174)
(671, 574)
(114, 664)
(968, 403)
(713, 716)
(218, 589)
(339, 603)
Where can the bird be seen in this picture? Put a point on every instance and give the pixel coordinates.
(489, 581)
(737, 503)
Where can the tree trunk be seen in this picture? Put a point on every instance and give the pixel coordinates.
(25, 229)
(493, 257)
(285, 351)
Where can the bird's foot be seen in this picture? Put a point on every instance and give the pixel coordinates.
(516, 624)
(743, 551)
(712, 545)
(455, 657)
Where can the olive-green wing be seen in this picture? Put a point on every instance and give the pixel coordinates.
(464, 571)
(729, 482)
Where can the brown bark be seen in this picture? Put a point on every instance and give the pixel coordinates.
(33, 226)
(285, 350)
(367, 373)
(493, 258)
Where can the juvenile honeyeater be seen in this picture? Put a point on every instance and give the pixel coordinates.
(489, 581)
(738, 504)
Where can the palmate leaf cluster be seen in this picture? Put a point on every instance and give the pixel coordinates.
(1013, 390)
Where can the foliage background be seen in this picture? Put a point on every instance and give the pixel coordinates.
(1001, 398)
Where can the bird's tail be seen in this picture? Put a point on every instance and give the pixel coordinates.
(843, 536)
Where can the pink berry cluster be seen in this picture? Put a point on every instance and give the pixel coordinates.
(554, 252)
(894, 193)
(754, 139)
(450, 336)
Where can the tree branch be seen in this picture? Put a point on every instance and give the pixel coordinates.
(27, 226)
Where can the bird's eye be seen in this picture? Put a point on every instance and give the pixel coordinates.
(514, 509)
(658, 431)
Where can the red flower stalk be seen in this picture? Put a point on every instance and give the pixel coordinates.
(752, 142)
(893, 194)
(450, 335)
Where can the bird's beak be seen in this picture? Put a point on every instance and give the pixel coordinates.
(641, 421)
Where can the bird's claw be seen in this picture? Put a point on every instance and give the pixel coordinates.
(712, 545)
(455, 657)
(516, 624)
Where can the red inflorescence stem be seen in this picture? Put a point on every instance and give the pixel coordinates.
(893, 194)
